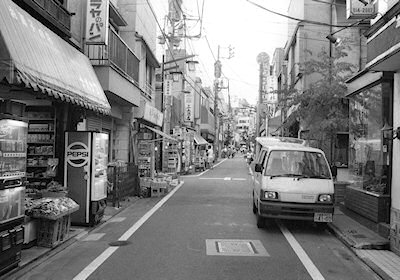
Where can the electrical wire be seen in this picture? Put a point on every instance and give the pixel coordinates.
(293, 18)
(170, 49)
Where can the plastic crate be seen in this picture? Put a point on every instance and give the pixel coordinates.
(51, 232)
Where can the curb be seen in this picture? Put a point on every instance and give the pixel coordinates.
(354, 248)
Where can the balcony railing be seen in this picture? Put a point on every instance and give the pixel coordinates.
(116, 54)
(55, 10)
(148, 89)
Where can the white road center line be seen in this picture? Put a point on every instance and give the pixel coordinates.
(304, 258)
(87, 271)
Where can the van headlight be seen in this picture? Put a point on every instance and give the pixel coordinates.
(270, 195)
(325, 198)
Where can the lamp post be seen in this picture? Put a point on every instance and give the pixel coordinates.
(167, 84)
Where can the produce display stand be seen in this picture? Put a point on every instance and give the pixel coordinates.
(53, 229)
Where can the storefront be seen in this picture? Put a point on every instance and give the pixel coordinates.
(49, 85)
(370, 147)
(200, 155)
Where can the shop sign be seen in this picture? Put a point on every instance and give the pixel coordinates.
(188, 112)
(355, 9)
(97, 22)
(152, 115)
(168, 84)
(77, 154)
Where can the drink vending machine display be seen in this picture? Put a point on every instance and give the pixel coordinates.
(13, 145)
(86, 159)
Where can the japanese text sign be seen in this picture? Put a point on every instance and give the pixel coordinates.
(97, 22)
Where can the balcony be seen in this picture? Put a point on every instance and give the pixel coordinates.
(53, 12)
(117, 68)
(148, 91)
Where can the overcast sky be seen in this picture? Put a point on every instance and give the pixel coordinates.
(249, 29)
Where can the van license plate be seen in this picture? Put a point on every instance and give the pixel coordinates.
(323, 217)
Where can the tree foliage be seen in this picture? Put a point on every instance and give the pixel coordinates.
(322, 107)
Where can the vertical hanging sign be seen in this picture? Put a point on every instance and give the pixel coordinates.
(188, 112)
(97, 22)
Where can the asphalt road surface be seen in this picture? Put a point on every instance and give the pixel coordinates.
(204, 229)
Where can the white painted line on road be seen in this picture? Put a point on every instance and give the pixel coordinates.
(200, 174)
(87, 271)
(304, 258)
(211, 178)
(225, 179)
(146, 216)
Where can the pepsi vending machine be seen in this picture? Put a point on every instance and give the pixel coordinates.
(86, 159)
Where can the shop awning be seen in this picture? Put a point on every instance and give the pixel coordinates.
(163, 134)
(199, 140)
(33, 56)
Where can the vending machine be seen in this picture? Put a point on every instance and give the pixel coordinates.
(85, 176)
(13, 146)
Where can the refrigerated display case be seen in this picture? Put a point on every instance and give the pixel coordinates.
(13, 145)
(85, 174)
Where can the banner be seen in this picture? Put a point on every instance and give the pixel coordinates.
(188, 112)
(97, 22)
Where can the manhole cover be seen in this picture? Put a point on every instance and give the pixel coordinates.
(119, 243)
(232, 247)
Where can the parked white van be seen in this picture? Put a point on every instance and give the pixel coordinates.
(291, 181)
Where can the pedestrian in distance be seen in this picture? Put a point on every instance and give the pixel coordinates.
(210, 158)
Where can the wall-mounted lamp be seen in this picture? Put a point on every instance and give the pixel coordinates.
(192, 64)
(364, 2)
(390, 133)
(338, 41)
(176, 75)
(334, 40)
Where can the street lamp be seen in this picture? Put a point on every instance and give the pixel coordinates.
(192, 65)
(176, 75)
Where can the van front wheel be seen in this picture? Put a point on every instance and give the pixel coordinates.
(260, 221)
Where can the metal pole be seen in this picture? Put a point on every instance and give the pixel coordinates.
(258, 112)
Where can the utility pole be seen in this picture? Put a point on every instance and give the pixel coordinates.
(217, 75)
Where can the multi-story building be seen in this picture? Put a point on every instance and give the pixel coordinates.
(306, 40)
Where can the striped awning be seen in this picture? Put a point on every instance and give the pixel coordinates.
(199, 140)
(33, 56)
(161, 133)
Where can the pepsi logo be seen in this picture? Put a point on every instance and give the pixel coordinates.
(77, 154)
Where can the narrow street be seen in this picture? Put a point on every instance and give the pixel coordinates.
(204, 229)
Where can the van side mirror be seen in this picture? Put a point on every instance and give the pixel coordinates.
(258, 167)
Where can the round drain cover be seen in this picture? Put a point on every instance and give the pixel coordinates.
(119, 243)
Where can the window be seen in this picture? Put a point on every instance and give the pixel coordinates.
(297, 164)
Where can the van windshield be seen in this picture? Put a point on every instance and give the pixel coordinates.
(300, 164)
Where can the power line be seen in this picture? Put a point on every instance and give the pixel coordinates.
(293, 18)
(209, 47)
(169, 47)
